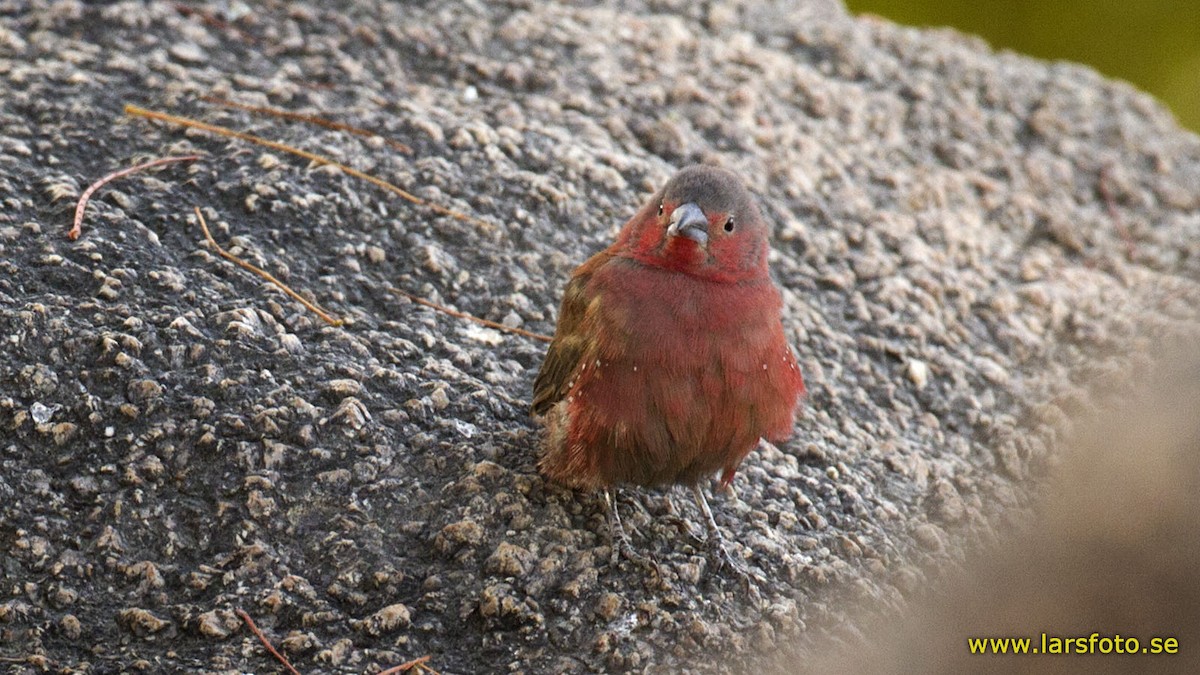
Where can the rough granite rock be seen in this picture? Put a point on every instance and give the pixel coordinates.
(974, 249)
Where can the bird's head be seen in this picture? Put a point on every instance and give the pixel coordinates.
(704, 223)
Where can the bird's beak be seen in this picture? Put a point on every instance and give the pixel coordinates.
(687, 220)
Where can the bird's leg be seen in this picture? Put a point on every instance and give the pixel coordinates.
(715, 542)
(718, 555)
(675, 517)
(621, 546)
(620, 540)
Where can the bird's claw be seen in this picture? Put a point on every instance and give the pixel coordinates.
(621, 545)
(623, 548)
(684, 528)
(719, 558)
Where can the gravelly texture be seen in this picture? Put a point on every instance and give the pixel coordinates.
(181, 440)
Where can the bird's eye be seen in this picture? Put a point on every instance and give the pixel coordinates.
(729, 224)
(660, 208)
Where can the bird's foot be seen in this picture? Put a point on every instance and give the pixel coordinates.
(674, 518)
(718, 554)
(719, 558)
(622, 547)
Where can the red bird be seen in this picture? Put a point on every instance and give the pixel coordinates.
(669, 361)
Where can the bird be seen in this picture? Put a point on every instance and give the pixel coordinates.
(669, 361)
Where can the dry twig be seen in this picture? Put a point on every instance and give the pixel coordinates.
(77, 228)
(311, 119)
(266, 643)
(310, 156)
(263, 273)
(419, 663)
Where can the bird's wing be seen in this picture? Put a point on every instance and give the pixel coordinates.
(554, 379)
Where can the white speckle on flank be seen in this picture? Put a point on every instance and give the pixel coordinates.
(635, 369)
(597, 363)
(764, 366)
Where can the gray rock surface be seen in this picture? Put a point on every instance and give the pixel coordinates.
(975, 248)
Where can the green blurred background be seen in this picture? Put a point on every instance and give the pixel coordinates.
(1154, 44)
